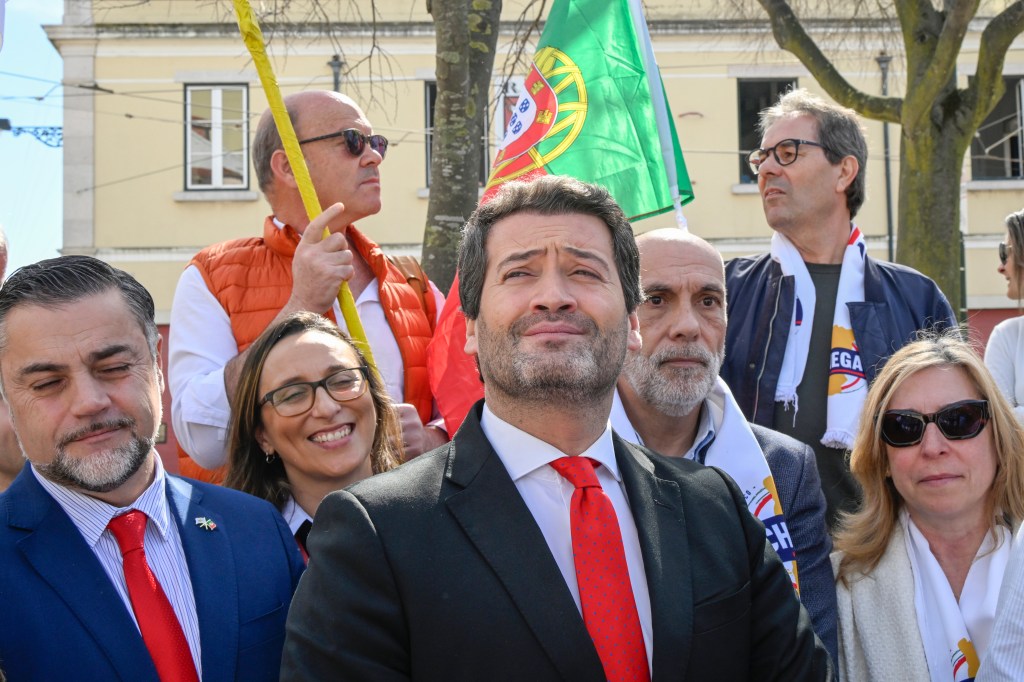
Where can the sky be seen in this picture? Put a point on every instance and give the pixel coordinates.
(31, 175)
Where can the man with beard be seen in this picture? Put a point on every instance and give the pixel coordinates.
(538, 545)
(109, 567)
(671, 399)
(230, 292)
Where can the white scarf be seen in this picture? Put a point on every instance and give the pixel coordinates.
(847, 385)
(735, 451)
(955, 635)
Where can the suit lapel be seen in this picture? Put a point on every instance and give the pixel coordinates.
(657, 509)
(498, 523)
(61, 557)
(211, 564)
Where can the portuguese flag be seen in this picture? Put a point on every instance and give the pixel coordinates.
(593, 107)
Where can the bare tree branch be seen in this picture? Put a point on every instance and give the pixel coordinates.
(987, 86)
(791, 36)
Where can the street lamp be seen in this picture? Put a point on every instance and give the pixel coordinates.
(336, 63)
(884, 60)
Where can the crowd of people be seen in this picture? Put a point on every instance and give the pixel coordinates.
(789, 466)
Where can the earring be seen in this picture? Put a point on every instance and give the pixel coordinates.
(271, 456)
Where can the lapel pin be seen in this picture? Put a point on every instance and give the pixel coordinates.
(205, 523)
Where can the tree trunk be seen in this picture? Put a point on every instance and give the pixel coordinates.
(466, 36)
(929, 236)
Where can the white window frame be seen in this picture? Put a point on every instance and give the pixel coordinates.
(216, 137)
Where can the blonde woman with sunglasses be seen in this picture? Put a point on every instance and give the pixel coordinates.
(919, 565)
(309, 418)
(1004, 354)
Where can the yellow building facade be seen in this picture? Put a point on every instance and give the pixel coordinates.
(161, 101)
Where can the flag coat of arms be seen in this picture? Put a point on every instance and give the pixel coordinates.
(593, 107)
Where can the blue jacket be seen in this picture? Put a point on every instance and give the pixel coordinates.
(61, 618)
(898, 302)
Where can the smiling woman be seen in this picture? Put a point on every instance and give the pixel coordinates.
(938, 456)
(309, 418)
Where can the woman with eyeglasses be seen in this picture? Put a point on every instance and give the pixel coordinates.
(1004, 354)
(918, 567)
(309, 418)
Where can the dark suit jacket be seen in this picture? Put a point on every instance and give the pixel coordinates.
(795, 472)
(61, 618)
(438, 571)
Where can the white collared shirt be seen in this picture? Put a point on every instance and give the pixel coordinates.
(294, 515)
(548, 496)
(709, 415)
(164, 552)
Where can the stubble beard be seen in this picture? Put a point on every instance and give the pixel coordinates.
(673, 391)
(99, 472)
(577, 374)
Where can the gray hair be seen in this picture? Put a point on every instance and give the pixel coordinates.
(839, 130)
(66, 279)
(267, 141)
(548, 195)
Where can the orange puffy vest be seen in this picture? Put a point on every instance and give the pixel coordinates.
(252, 280)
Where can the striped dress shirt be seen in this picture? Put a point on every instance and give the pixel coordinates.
(164, 551)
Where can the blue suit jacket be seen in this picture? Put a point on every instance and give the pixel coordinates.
(795, 472)
(62, 619)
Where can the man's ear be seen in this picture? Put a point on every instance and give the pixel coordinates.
(634, 342)
(848, 169)
(471, 347)
(281, 169)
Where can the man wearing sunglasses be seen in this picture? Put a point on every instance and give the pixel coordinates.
(232, 291)
(812, 321)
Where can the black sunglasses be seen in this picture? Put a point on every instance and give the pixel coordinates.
(355, 141)
(1004, 252)
(785, 153)
(957, 421)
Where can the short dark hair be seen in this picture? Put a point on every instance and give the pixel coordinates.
(66, 279)
(265, 142)
(248, 469)
(548, 195)
(839, 130)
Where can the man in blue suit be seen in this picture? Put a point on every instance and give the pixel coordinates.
(79, 368)
(669, 397)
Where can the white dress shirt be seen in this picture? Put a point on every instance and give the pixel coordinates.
(1004, 661)
(202, 343)
(294, 515)
(164, 552)
(548, 496)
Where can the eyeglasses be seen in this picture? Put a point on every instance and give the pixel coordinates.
(958, 421)
(355, 141)
(785, 153)
(1004, 252)
(292, 400)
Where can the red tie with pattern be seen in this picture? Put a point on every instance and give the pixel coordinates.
(160, 628)
(609, 609)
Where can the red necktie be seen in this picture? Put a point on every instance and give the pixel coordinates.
(606, 595)
(160, 628)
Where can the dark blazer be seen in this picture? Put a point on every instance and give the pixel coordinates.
(795, 472)
(62, 619)
(438, 571)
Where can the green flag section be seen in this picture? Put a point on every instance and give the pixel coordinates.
(593, 107)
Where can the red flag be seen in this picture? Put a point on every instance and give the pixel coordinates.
(454, 379)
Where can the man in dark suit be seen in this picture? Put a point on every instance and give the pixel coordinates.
(111, 569)
(671, 399)
(538, 545)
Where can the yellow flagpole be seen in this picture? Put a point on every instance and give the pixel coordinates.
(253, 37)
